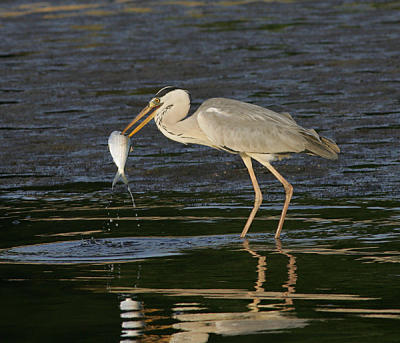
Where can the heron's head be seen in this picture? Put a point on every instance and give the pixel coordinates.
(165, 98)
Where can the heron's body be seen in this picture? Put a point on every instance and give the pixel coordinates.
(240, 128)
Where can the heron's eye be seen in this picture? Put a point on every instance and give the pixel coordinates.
(156, 101)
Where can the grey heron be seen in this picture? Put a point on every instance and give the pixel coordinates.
(251, 131)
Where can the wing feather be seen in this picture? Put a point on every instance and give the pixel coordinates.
(244, 127)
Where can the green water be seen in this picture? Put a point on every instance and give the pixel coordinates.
(79, 264)
(151, 277)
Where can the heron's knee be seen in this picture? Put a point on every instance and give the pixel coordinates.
(258, 198)
(288, 189)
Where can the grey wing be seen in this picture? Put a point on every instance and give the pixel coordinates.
(242, 127)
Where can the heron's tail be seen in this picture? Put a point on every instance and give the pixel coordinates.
(120, 176)
(321, 146)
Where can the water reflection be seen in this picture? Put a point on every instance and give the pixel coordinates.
(131, 314)
(292, 276)
(196, 327)
(266, 311)
(195, 324)
(262, 267)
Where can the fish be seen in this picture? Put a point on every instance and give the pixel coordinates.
(119, 146)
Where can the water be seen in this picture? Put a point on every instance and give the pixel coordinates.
(79, 264)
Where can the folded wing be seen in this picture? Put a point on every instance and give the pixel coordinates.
(241, 127)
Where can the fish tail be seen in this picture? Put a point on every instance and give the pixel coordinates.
(120, 176)
(116, 178)
(124, 179)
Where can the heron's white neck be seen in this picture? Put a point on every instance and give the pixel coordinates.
(169, 118)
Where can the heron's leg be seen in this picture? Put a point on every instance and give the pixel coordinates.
(258, 196)
(288, 190)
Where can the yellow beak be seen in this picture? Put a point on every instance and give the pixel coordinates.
(138, 117)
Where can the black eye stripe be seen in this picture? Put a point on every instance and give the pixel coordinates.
(168, 89)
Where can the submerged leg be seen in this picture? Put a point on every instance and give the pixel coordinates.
(258, 196)
(288, 190)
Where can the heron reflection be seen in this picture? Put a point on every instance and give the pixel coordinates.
(195, 325)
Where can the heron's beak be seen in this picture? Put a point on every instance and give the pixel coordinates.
(147, 109)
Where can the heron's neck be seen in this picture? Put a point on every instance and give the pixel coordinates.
(169, 120)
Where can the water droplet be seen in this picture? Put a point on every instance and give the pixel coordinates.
(133, 201)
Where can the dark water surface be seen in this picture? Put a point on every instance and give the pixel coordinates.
(79, 264)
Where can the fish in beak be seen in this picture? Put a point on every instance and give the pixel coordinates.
(119, 145)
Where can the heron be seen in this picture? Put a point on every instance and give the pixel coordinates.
(248, 130)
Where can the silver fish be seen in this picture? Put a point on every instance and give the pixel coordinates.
(119, 145)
